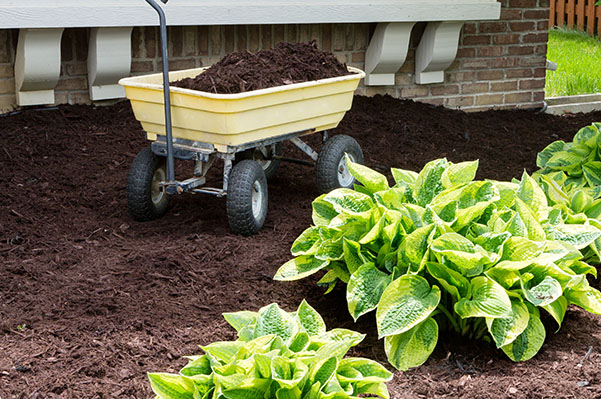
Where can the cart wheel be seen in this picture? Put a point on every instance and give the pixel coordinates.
(146, 199)
(330, 166)
(270, 166)
(246, 198)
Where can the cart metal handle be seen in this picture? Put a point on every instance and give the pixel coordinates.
(170, 185)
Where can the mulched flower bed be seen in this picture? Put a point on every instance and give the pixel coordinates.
(91, 300)
(285, 64)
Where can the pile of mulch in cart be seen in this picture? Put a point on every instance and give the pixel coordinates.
(285, 64)
(91, 300)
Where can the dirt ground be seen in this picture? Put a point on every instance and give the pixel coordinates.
(91, 300)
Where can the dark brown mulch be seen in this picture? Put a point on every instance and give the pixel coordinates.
(91, 300)
(285, 64)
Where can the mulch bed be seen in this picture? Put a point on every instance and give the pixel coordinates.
(91, 300)
(284, 64)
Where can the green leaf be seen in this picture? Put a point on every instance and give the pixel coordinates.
(592, 173)
(223, 351)
(369, 370)
(310, 320)
(252, 388)
(288, 393)
(578, 235)
(544, 293)
(239, 320)
(329, 250)
(529, 342)
(459, 173)
(198, 365)
(589, 299)
(324, 370)
(564, 161)
(393, 198)
(374, 388)
(519, 252)
(557, 309)
(489, 299)
(300, 267)
(413, 347)
(587, 136)
(273, 320)
(373, 181)
(365, 289)
(429, 181)
(349, 201)
(299, 342)
(534, 230)
(414, 248)
(323, 211)
(461, 252)
(406, 302)
(453, 282)
(505, 330)
(530, 192)
(287, 372)
(307, 243)
(171, 386)
(546, 154)
(404, 176)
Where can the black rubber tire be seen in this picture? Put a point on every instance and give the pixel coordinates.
(255, 154)
(326, 167)
(240, 215)
(139, 187)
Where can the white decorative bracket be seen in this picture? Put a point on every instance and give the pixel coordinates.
(436, 51)
(37, 65)
(387, 52)
(109, 59)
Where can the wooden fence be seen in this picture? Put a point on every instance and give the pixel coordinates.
(579, 14)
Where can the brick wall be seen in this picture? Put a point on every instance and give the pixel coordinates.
(500, 64)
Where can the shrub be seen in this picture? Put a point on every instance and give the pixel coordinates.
(442, 250)
(277, 355)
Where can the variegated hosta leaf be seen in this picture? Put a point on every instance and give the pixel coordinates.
(365, 288)
(557, 309)
(300, 267)
(354, 369)
(544, 293)
(393, 198)
(307, 243)
(519, 252)
(461, 252)
(589, 299)
(374, 388)
(505, 330)
(241, 319)
(223, 351)
(534, 229)
(310, 320)
(546, 154)
(337, 335)
(414, 248)
(413, 347)
(529, 342)
(171, 386)
(323, 211)
(404, 176)
(273, 320)
(252, 388)
(578, 235)
(532, 195)
(459, 173)
(580, 201)
(428, 183)
(507, 193)
(196, 365)
(353, 257)
(288, 372)
(453, 282)
(349, 201)
(489, 299)
(373, 181)
(406, 302)
(288, 393)
(587, 136)
(323, 370)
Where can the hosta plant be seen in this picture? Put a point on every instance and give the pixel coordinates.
(278, 355)
(439, 250)
(575, 164)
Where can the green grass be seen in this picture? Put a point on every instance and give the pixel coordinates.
(578, 58)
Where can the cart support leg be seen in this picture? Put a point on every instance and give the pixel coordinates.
(227, 168)
(304, 147)
(170, 186)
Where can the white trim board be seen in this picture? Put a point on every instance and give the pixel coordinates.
(117, 13)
